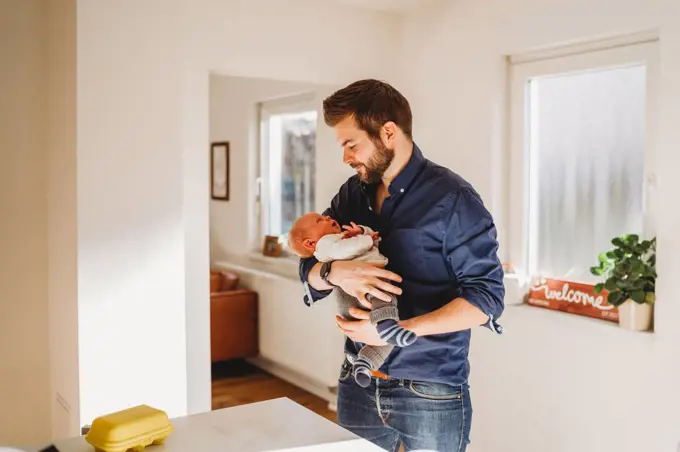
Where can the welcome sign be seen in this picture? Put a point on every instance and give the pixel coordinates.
(571, 297)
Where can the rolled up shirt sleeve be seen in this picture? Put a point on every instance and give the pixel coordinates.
(311, 295)
(471, 251)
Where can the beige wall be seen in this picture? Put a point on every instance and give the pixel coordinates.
(552, 382)
(38, 325)
(24, 357)
(60, 110)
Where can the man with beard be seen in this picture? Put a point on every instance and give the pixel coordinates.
(441, 244)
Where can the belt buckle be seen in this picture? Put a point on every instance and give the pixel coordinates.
(378, 374)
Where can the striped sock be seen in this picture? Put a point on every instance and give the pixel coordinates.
(362, 372)
(392, 333)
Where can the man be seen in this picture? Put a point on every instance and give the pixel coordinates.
(442, 249)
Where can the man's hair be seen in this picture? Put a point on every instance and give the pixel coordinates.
(372, 103)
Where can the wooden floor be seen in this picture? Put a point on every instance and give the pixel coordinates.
(238, 383)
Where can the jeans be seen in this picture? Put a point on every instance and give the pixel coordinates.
(420, 415)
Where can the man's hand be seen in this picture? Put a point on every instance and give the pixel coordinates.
(352, 231)
(359, 278)
(359, 330)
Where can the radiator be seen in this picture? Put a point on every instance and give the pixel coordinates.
(301, 339)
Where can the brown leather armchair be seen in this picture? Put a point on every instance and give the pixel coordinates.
(233, 318)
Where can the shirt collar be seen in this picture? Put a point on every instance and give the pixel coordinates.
(403, 180)
(410, 171)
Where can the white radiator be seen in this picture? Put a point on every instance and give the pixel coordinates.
(293, 337)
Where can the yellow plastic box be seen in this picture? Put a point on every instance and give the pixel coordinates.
(134, 428)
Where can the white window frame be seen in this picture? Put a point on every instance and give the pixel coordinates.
(627, 51)
(298, 103)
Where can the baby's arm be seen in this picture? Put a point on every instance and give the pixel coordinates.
(355, 229)
(333, 247)
(371, 233)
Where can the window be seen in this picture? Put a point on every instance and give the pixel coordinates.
(287, 163)
(579, 156)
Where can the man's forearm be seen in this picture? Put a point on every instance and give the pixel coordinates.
(457, 315)
(314, 278)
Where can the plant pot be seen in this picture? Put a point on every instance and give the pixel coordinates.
(634, 316)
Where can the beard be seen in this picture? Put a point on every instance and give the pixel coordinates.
(377, 164)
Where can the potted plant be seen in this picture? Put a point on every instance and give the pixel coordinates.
(629, 272)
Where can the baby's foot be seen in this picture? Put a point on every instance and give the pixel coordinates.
(362, 372)
(392, 333)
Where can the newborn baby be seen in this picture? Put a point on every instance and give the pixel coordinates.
(322, 237)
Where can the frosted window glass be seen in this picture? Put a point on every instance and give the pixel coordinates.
(586, 137)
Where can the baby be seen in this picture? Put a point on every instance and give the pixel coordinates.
(322, 237)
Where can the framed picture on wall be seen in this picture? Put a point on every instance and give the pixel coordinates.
(219, 170)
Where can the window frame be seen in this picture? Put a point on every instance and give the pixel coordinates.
(609, 54)
(297, 103)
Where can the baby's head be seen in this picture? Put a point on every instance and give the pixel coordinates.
(307, 230)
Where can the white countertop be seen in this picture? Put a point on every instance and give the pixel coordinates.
(278, 425)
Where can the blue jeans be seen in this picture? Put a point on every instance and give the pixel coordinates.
(422, 416)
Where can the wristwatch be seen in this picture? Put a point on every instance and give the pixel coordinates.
(325, 271)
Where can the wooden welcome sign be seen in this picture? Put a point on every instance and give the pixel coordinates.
(571, 297)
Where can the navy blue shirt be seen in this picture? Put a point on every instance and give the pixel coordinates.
(439, 237)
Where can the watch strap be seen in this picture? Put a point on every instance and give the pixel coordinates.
(325, 271)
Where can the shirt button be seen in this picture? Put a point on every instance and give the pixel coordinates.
(402, 190)
(370, 208)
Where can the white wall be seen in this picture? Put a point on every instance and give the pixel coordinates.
(143, 251)
(234, 118)
(24, 358)
(552, 382)
(143, 198)
(291, 336)
(131, 308)
(305, 41)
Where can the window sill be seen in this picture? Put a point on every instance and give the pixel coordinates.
(559, 320)
(283, 261)
(254, 263)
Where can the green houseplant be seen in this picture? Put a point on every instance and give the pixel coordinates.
(629, 272)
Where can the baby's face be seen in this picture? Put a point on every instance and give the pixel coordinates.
(317, 226)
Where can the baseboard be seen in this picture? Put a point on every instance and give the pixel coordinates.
(296, 378)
